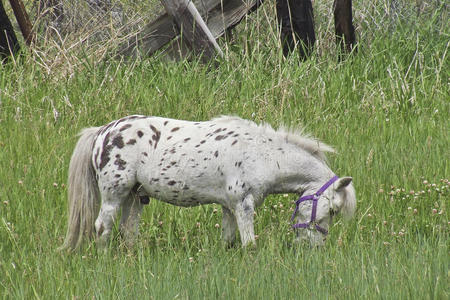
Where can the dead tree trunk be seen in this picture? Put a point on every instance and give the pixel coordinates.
(8, 40)
(23, 20)
(345, 32)
(296, 19)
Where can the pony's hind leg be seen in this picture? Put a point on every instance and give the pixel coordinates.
(131, 215)
(111, 203)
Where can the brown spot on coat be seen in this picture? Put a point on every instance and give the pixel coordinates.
(125, 127)
(156, 136)
(131, 142)
(118, 141)
(175, 129)
(104, 156)
(120, 163)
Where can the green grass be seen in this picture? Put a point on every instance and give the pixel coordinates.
(385, 110)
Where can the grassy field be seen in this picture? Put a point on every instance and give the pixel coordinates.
(385, 110)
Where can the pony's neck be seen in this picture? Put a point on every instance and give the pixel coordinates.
(300, 172)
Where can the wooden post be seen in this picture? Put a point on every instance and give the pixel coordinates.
(8, 40)
(193, 29)
(23, 20)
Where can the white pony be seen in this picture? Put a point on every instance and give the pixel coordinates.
(229, 161)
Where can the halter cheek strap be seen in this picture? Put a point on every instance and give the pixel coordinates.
(314, 198)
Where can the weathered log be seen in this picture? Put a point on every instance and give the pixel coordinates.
(192, 27)
(8, 40)
(219, 16)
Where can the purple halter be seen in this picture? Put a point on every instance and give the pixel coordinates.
(314, 199)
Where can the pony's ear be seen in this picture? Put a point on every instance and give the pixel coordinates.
(347, 202)
(343, 183)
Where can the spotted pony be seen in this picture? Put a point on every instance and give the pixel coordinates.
(229, 161)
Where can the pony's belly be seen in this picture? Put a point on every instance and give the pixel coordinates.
(182, 193)
(184, 199)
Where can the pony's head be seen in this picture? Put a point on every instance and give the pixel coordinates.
(314, 213)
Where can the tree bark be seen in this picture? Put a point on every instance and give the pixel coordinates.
(345, 32)
(8, 40)
(23, 20)
(296, 19)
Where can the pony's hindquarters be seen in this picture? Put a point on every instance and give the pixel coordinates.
(83, 192)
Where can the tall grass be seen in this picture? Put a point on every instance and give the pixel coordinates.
(385, 109)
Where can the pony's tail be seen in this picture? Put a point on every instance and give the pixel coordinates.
(83, 192)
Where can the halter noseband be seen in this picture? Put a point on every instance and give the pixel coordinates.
(314, 199)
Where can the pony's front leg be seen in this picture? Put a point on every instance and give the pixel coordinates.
(244, 213)
(131, 215)
(228, 226)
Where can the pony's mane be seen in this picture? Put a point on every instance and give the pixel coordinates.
(295, 136)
